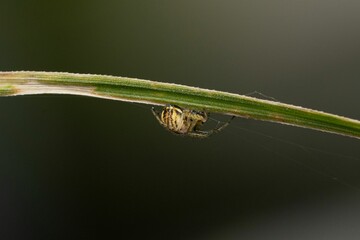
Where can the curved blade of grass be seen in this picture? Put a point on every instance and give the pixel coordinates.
(158, 93)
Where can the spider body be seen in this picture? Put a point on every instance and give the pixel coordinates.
(185, 121)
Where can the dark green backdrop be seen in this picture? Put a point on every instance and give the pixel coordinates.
(78, 167)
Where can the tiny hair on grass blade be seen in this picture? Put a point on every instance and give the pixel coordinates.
(160, 93)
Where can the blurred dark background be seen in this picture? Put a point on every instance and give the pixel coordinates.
(84, 168)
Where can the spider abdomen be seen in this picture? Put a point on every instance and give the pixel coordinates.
(181, 121)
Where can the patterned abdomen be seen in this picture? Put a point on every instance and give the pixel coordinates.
(181, 121)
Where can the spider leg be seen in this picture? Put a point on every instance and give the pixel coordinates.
(156, 114)
(199, 134)
(203, 134)
(218, 129)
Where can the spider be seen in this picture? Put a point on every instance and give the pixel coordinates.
(185, 122)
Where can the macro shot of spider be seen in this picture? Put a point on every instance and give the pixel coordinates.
(185, 122)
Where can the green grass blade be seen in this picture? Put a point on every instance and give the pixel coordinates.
(157, 93)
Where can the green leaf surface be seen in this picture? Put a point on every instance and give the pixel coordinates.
(158, 93)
